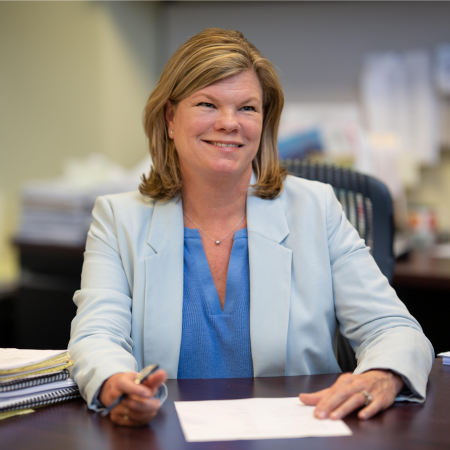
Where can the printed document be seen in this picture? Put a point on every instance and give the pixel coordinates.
(255, 418)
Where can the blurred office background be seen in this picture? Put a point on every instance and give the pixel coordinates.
(366, 83)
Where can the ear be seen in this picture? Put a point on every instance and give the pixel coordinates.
(169, 115)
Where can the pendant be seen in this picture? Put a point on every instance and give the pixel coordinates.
(217, 242)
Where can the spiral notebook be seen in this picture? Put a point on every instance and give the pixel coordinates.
(63, 390)
(24, 383)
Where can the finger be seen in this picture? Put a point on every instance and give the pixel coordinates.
(127, 421)
(314, 397)
(344, 387)
(127, 385)
(337, 396)
(354, 402)
(381, 400)
(123, 415)
(155, 380)
(141, 405)
(370, 410)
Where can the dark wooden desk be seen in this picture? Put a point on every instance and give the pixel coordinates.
(423, 284)
(71, 426)
(421, 270)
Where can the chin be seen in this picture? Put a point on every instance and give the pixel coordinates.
(229, 168)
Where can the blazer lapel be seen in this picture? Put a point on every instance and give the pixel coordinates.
(270, 285)
(164, 287)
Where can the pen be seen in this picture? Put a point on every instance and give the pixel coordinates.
(141, 376)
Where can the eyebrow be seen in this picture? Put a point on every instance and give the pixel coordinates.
(214, 99)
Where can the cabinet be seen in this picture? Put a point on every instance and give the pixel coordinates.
(43, 307)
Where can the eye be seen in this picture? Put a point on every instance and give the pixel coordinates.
(248, 108)
(206, 104)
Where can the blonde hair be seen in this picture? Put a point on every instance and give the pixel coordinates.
(210, 56)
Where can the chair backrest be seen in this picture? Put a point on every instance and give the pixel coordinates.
(366, 201)
(367, 204)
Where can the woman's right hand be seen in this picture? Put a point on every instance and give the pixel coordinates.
(138, 408)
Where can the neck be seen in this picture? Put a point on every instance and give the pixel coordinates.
(217, 202)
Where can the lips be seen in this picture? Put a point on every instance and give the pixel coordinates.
(224, 144)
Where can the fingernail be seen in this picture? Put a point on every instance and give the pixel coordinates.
(144, 393)
(321, 414)
(334, 416)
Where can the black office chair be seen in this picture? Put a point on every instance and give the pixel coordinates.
(367, 204)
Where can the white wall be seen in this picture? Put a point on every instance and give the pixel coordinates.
(74, 79)
(318, 46)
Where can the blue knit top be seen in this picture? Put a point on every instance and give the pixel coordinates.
(215, 343)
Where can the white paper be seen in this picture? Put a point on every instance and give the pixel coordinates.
(13, 358)
(256, 418)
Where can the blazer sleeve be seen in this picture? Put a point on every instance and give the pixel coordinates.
(100, 343)
(377, 324)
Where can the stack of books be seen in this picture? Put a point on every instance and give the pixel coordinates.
(33, 378)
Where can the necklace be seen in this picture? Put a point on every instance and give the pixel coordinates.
(203, 231)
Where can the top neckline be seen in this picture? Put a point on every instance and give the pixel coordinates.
(194, 233)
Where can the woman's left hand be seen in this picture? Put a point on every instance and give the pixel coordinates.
(346, 395)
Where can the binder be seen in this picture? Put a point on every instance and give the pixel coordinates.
(33, 373)
(37, 400)
(15, 384)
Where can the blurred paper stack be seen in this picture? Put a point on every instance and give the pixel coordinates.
(33, 378)
(52, 213)
(58, 211)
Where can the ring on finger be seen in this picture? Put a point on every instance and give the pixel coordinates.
(367, 397)
(125, 416)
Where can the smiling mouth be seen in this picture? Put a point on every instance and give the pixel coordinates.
(223, 144)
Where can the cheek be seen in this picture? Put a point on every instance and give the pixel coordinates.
(198, 124)
(254, 130)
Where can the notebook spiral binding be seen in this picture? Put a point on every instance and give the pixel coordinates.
(26, 383)
(45, 399)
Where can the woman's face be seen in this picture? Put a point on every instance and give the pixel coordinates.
(217, 129)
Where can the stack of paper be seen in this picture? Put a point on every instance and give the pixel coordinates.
(54, 213)
(32, 378)
(58, 211)
(446, 358)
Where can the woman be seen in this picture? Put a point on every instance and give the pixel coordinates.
(223, 266)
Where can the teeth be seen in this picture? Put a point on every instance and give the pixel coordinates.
(220, 144)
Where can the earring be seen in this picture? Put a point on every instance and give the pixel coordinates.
(171, 131)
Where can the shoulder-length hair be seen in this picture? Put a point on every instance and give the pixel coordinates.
(210, 56)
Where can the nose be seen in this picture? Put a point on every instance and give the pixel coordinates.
(227, 120)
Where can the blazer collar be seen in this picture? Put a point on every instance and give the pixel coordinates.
(166, 225)
(266, 217)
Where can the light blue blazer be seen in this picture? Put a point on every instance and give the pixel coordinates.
(309, 273)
